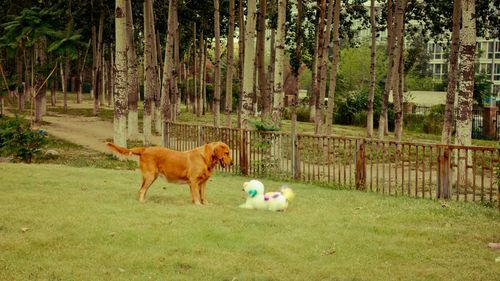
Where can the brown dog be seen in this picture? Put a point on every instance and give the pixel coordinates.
(193, 167)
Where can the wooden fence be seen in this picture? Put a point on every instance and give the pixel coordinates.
(422, 170)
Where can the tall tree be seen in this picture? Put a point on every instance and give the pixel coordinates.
(262, 79)
(249, 64)
(321, 65)
(452, 74)
(120, 94)
(241, 58)
(149, 72)
(279, 64)
(396, 70)
(132, 79)
(229, 68)
(466, 86)
(382, 124)
(166, 87)
(335, 63)
(217, 88)
(371, 91)
(97, 59)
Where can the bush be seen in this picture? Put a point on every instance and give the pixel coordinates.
(431, 122)
(351, 109)
(302, 113)
(19, 140)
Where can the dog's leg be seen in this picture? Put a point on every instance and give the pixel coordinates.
(203, 187)
(147, 180)
(193, 187)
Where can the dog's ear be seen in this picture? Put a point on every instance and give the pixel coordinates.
(252, 192)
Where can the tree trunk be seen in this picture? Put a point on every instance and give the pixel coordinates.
(322, 65)
(111, 84)
(228, 106)
(177, 69)
(195, 74)
(396, 69)
(166, 89)
(204, 78)
(53, 89)
(261, 40)
(272, 66)
(98, 65)
(279, 93)
(452, 74)
(63, 85)
(314, 70)
(149, 73)
(120, 110)
(371, 91)
(132, 78)
(295, 72)
(241, 56)
(249, 64)
(156, 50)
(390, 50)
(217, 88)
(200, 106)
(466, 85)
(335, 63)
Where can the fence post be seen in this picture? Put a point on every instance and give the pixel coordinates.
(295, 157)
(243, 152)
(165, 134)
(443, 174)
(360, 165)
(490, 121)
(198, 131)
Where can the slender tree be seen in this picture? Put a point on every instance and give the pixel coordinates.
(229, 68)
(466, 85)
(166, 89)
(120, 111)
(261, 40)
(241, 58)
(452, 74)
(132, 78)
(396, 68)
(371, 91)
(249, 64)
(321, 68)
(97, 60)
(217, 88)
(335, 63)
(279, 92)
(382, 124)
(149, 73)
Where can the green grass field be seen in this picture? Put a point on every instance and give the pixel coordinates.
(68, 223)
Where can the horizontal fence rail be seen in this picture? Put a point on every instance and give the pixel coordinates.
(462, 173)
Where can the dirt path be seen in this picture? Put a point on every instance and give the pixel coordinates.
(90, 132)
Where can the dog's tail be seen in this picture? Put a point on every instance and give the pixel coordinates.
(287, 192)
(124, 150)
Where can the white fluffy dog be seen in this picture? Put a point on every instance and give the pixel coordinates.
(273, 201)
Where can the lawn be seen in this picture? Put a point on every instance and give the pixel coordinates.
(69, 223)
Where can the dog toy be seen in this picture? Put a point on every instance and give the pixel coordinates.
(273, 201)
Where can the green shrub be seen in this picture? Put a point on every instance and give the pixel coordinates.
(19, 140)
(302, 114)
(431, 122)
(351, 109)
